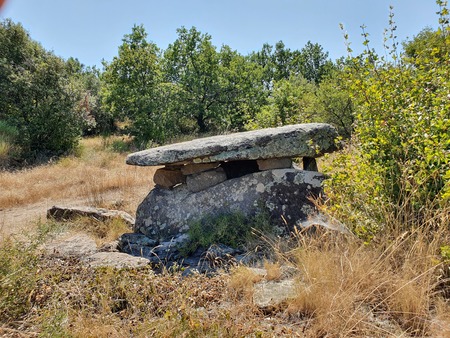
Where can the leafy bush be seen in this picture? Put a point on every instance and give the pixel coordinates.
(232, 229)
(36, 99)
(8, 135)
(401, 160)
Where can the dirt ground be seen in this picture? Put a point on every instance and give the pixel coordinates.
(23, 219)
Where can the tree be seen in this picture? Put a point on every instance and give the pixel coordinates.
(35, 96)
(292, 101)
(312, 62)
(427, 44)
(264, 59)
(242, 90)
(85, 87)
(191, 64)
(402, 119)
(132, 88)
(280, 62)
(334, 104)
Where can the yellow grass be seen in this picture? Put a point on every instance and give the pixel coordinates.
(388, 288)
(92, 176)
(394, 286)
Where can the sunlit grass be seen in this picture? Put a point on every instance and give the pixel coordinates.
(96, 172)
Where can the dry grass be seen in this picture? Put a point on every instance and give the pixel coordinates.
(273, 271)
(389, 288)
(242, 281)
(395, 286)
(92, 176)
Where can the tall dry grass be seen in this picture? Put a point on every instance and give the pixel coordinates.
(93, 175)
(349, 288)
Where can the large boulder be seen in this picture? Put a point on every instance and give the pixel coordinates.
(284, 193)
(300, 140)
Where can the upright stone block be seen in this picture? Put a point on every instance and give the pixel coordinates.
(201, 181)
(284, 193)
(274, 163)
(168, 178)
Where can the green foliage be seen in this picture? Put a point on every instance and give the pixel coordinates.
(213, 90)
(19, 273)
(445, 252)
(403, 122)
(297, 100)
(84, 85)
(131, 88)
(36, 97)
(313, 63)
(353, 192)
(292, 101)
(8, 135)
(192, 87)
(192, 65)
(279, 63)
(399, 164)
(233, 229)
(334, 104)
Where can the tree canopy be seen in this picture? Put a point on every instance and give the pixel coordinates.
(36, 95)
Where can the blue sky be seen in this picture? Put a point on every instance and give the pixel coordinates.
(91, 30)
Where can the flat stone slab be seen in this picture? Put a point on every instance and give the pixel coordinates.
(273, 294)
(77, 245)
(65, 213)
(300, 140)
(117, 260)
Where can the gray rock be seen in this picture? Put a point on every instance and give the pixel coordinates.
(311, 140)
(169, 250)
(137, 245)
(134, 238)
(168, 178)
(192, 168)
(165, 214)
(271, 294)
(117, 260)
(62, 213)
(140, 251)
(274, 163)
(77, 245)
(206, 179)
(112, 246)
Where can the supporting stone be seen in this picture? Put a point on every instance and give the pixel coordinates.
(284, 193)
(274, 163)
(206, 179)
(193, 168)
(168, 178)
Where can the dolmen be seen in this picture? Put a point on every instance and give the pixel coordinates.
(241, 172)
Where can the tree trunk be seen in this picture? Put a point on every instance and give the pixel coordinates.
(201, 122)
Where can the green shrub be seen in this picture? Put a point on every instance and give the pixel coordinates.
(232, 229)
(37, 99)
(8, 135)
(18, 278)
(399, 164)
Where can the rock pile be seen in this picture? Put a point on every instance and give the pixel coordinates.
(241, 172)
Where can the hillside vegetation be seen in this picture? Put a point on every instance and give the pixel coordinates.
(390, 185)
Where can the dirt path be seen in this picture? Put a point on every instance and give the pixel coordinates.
(23, 219)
